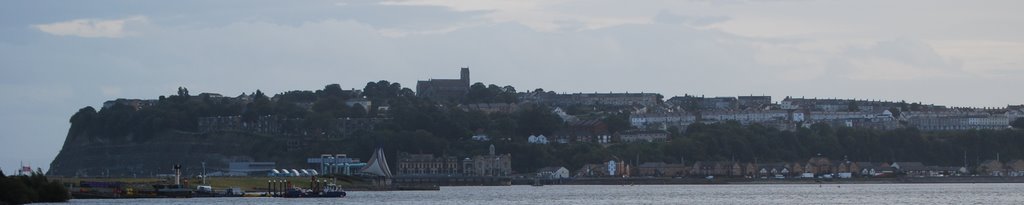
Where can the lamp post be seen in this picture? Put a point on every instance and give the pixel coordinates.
(204, 172)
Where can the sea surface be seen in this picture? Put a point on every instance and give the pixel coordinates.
(652, 194)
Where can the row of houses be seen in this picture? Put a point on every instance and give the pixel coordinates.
(1012, 168)
(606, 99)
(694, 103)
(788, 119)
(271, 124)
(817, 167)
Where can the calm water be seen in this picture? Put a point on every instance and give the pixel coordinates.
(656, 194)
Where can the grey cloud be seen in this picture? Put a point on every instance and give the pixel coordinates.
(668, 17)
(913, 52)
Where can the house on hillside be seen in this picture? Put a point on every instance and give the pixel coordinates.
(539, 139)
(643, 136)
(592, 131)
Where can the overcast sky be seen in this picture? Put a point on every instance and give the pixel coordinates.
(59, 56)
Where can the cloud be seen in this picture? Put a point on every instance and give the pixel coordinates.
(898, 59)
(110, 91)
(668, 17)
(92, 28)
(539, 15)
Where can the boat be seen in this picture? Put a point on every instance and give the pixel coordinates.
(208, 191)
(328, 191)
(173, 191)
(318, 188)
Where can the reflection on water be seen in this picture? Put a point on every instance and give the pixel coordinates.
(656, 194)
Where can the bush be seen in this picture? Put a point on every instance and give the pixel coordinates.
(29, 189)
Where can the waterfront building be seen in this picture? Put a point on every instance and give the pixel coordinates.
(773, 170)
(426, 164)
(867, 169)
(553, 173)
(818, 166)
(992, 168)
(719, 168)
(335, 164)
(490, 165)
(592, 170)
(661, 169)
(1015, 168)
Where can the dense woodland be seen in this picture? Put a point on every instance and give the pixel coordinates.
(419, 125)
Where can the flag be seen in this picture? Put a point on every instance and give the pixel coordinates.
(26, 169)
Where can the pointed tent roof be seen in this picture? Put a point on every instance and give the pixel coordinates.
(377, 165)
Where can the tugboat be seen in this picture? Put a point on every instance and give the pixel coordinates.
(176, 190)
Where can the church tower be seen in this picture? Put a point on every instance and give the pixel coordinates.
(465, 76)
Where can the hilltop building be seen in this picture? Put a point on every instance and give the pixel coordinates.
(444, 89)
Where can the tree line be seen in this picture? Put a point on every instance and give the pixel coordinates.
(33, 188)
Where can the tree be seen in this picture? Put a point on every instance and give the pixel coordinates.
(537, 119)
(853, 106)
(617, 123)
(1018, 123)
(478, 93)
(896, 112)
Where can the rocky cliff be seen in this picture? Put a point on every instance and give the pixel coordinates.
(97, 156)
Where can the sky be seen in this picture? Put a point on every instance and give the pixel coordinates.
(59, 56)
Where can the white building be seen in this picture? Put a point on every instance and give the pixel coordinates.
(481, 137)
(746, 117)
(553, 173)
(662, 120)
(541, 139)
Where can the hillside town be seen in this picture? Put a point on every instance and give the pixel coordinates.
(584, 118)
(649, 115)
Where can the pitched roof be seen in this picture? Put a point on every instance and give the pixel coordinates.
(652, 165)
(909, 165)
(549, 169)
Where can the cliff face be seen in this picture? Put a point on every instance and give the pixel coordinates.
(85, 155)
